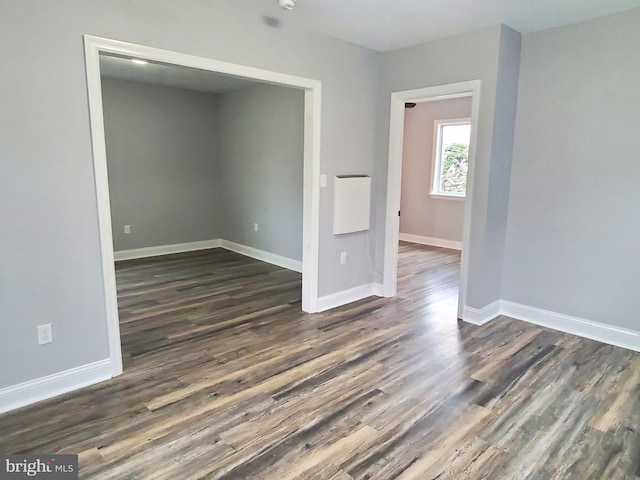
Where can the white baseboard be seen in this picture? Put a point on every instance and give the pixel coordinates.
(378, 289)
(166, 249)
(480, 316)
(50, 386)
(272, 258)
(344, 297)
(600, 332)
(612, 335)
(434, 242)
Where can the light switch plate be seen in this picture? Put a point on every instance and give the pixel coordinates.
(323, 181)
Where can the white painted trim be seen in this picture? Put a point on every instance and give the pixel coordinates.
(434, 242)
(50, 386)
(456, 198)
(166, 249)
(96, 119)
(600, 332)
(480, 316)
(101, 44)
(468, 205)
(311, 183)
(311, 198)
(394, 177)
(263, 256)
(338, 299)
(609, 334)
(378, 289)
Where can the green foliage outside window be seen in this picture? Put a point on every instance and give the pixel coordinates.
(455, 163)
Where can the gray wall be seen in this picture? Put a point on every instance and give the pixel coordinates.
(573, 228)
(187, 166)
(421, 214)
(489, 285)
(51, 269)
(574, 222)
(489, 55)
(162, 151)
(261, 161)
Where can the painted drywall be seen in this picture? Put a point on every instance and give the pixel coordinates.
(186, 166)
(573, 225)
(422, 214)
(488, 285)
(261, 152)
(162, 157)
(490, 55)
(51, 270)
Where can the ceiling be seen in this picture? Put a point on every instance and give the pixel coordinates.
(393, 24)
(170, 75)
(375, 24)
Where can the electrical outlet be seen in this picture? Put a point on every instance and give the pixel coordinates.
(255, 227)
(343, 258)
(127, 229)
(45, 334)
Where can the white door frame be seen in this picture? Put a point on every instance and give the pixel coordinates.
(394, 177)
(311, 181)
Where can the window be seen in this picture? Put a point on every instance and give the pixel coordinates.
(451, 157)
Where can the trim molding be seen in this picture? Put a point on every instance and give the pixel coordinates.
(480, 316)
(93, 47)
(378, 289)
(50, 386)
(439, 196)
(262, 255)
(600, 332)
(268, 257)
(166, 249)
(338, 299)
(610, 334)
(434, 242)
(394, 178)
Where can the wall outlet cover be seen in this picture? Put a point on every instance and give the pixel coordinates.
(45, 334)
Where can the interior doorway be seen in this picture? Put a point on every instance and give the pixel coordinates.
(94, 47)
(399, 101)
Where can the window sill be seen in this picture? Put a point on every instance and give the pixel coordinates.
(457, 198)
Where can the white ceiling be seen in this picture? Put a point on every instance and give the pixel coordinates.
(392, 24)
(170, 75)
(375, 24)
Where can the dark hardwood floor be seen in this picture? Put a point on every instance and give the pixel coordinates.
(226, 378)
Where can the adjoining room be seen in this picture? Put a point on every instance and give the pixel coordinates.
(204, 169)
(435, 163)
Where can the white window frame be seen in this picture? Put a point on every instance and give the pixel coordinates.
(437, 159)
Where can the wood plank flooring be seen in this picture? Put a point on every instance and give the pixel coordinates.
(226, 378)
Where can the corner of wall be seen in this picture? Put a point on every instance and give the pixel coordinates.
(502, 145)
(581, 327)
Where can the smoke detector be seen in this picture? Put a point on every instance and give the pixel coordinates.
(287, 4)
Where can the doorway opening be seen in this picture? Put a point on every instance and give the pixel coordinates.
(437, 187)
(94, 48)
